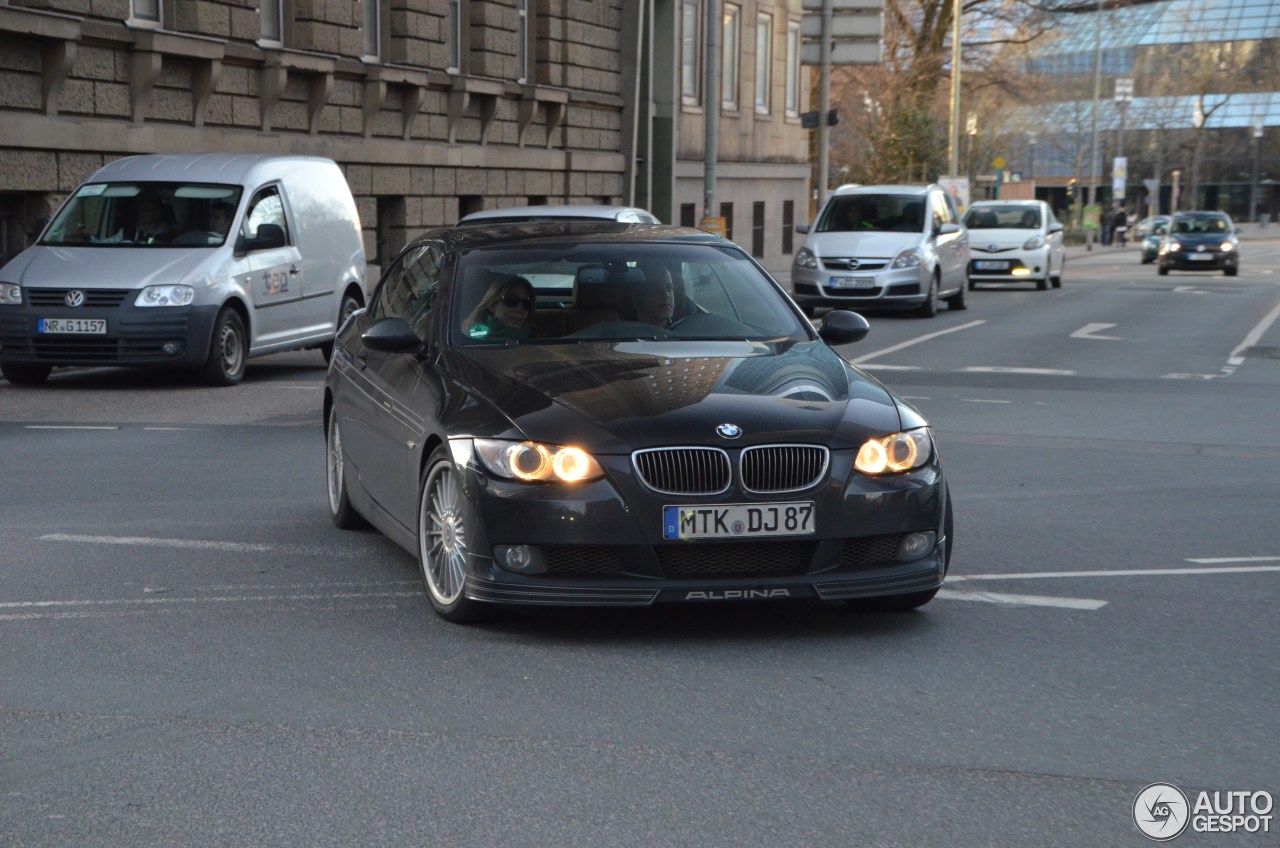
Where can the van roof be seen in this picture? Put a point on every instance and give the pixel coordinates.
(191, 167)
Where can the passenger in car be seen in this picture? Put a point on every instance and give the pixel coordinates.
(652, 301)
(505, 311)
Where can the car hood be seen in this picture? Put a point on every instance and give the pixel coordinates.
(1196, 239)
(618, 397)
(1001, 238)
(104, 267)
(863, 245)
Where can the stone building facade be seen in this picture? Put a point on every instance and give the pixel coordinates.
(433, 108)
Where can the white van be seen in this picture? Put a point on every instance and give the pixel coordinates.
(198, 260)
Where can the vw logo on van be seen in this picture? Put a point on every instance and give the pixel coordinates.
(729, 431)
(75, 297)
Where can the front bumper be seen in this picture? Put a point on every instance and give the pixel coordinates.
(1210, 260)
(135, 336)
(602, 544)
(840, 289)
(1008, 265)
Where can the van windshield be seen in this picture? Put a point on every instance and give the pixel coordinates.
(895, 213)
(149, 214)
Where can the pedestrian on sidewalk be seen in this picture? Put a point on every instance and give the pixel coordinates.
(1108, 223)
(1120, 223)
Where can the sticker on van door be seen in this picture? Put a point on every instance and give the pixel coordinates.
(275, 282)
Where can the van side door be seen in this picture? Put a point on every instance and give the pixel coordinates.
(270, 272)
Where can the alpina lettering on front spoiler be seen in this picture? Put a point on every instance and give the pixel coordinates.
(737, 594)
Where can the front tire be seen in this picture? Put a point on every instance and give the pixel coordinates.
(1162, 270)
(929, 308)
(1230, 272)
(344, 515)
(445, 529)
(228, 350)
(21, 374)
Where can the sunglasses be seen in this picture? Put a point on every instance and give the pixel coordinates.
(514, 300)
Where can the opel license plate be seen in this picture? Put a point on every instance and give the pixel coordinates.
(737, 521)
(72, 326)
(852, 283)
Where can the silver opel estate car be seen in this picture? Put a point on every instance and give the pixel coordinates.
(883, 246)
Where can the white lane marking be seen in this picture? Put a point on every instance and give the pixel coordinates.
(1022, 600)
(1090, 331)
(915, 341)
(1212, 560)
(172, 429)
(981, 400)
(1191, 376)
(206, 544)
(1254, 335)
(999, 369)
(69, 427)
(1131, 572)
(1189, 290)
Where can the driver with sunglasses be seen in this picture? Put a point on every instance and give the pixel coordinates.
(505, 311)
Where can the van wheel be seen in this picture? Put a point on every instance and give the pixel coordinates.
(25, 375)
(228, 351)
(929, 308)
(349, 305)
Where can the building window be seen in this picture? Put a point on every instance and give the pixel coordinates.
(788, 226)
(687, 213)
(147, 11)
(272, 13)
(757, 229)
(453, 35)
(522, 40)
(793, 69)
(729, 57)
(690, 51)
(764, 61)
(373, 27)
(726, 212)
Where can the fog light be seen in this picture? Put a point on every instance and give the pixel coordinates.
(522, 559)
(169, 348)
(916, 545)
(1021, 272)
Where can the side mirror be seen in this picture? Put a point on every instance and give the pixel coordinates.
(948, 229)
(841, 327)
(391, 335)
(269, 237)
(1055, 227)
(803, 229)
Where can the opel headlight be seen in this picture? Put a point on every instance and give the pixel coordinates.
(806, 259)
(908, 259)
(166, 296)
(1036, 241)
(10, 294)
(534, 462)
(895, 453)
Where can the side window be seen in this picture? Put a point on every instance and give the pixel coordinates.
(266, 208)
(408, 289)
(952, 211)
(941, 212)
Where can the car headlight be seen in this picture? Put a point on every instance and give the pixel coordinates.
(534, 462)
(895, 453)
(806, 259)
(1034, 242)
(1227, 247)
(1174, 247)
(909, 258)
(10, 294)
(166, 296)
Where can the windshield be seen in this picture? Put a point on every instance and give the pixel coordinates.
(145, 214)
(894, 213)
(1198, 224)
(623, 290)
(1003, 218)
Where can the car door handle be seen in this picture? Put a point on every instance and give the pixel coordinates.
(294, 269)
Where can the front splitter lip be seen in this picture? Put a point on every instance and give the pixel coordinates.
(919, 576)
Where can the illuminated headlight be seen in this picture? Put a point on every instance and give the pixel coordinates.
(10, 294)
(1174, 247)
(1227, 247)
(534, 462)
(895, 453)
(907, 259)
(806, 259)
(1034, 243)
(166, 296)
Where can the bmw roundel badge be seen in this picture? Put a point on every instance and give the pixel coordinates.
(729, 431)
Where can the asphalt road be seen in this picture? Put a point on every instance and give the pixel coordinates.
(193, 655)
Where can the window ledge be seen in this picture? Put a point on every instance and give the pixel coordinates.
(58, 36)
